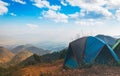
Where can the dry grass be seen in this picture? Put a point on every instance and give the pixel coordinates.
(55, 69)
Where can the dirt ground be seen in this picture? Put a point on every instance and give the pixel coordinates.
(56, 69)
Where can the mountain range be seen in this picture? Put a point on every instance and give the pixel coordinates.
(53, 46)
(30, 48)
(32, 53)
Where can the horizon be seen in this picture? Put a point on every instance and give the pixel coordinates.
(34, 21)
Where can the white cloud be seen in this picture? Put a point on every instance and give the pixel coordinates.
(92, 5)
(13, 14)
(45, 4)
(52, 13)
(63, 3)
(55, 16)
(54, 7)
(74, 16)
(77, 15)
(3, 7)
(89, 22)
(118, 15)
(32, 26)
(99, 7)
(20, 1)
(113, 4)
(41, 3)
(83, 12)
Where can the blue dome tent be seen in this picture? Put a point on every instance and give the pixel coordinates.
(88, 50)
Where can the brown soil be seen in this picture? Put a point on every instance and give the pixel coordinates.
(55, 69)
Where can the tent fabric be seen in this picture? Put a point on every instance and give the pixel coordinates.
(104, 57)
(92, 49)
(116, 45)
(88, 50)
(116, 48)
(107, 39)
(79, 45)
(107, 56)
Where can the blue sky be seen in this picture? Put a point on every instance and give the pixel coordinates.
(31, 21)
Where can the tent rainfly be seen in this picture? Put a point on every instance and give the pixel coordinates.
(87, 51)
(116, 48)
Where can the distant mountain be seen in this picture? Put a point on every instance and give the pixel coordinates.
(18, 49)
(53, 46)
(10, 47)
(107, 39)
(30, 48)
(118, 36)
(47, 58)
(5, 55)
(21, 56)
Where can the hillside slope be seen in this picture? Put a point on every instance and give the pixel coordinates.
(21, 56)
(47, 58)
(5, 55)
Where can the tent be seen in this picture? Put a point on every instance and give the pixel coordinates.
(107, 39)
(116, 48)
(88, 50)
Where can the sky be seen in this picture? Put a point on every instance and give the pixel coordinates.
(32, 21)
